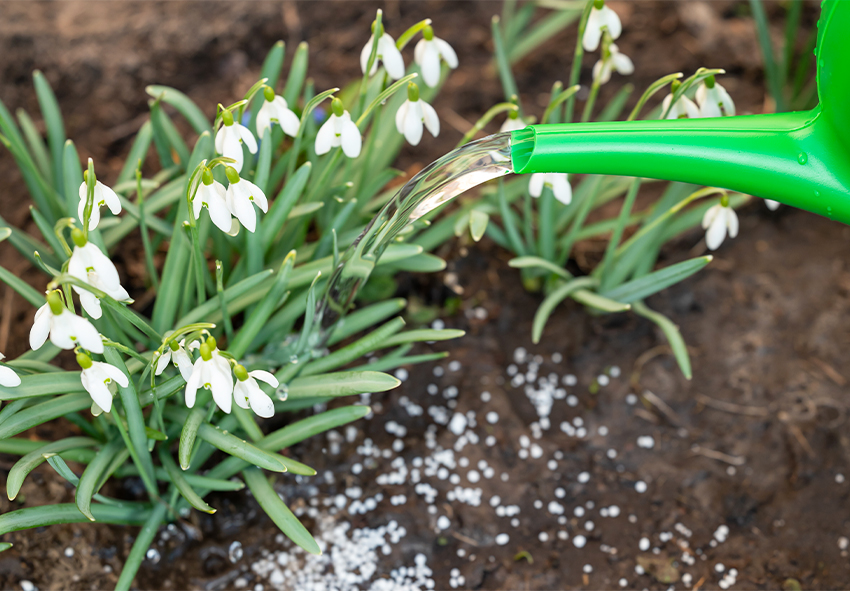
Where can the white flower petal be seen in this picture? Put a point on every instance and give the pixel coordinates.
(610, 19)
(221, 383)
(90, 303)
(93, 381)
(264, 118)
(115, 374)
(350, 139)
(108, 196)
(771, 204)
(8, 377)
(400, 116)
(447, 52)
(430, 65)
(561, 187)
(731, 222)
(622, 63)
(535, 184)
(241, 394)
(710, 214)
(365, 53)
(40, 327)
(593, 31)
(716, 232)
(162, 362)
(183, 363)
(264, 376)
(260, 402)
(391, 57)
(413, 123)
(220, 136)
(429, 116)
(194, 382)
(247, 137)
(84, 331)
(325, 137)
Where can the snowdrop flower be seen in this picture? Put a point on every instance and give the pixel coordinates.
(97, 379)
(240, 195)
(248, 393)
(339, 130)
(103, 195)
(413, 114)
(713, 100)
(212, 195)
(91, 266)
(66, 329)
(387, 53)
(211, 371)
(771, 204)
(557, 181)
(513, 122)
(427, 54)
(276, 110)
(601, 18)
(684, 107)
(613, 61)
(229, 140)
(717, 221)
(177, 354)
(10, 379)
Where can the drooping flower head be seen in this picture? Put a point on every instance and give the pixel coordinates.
(601, 19)
(717, 221)
(230, 137)
(612, 60)
(240, 195)
(211, 371)
(339, 130)
(771, 204)
(387, 53)
(276, 110)
(9, 378)
(103, 195)
(177, 354)
(90, 265)
(98, 377)
(557, 181)
(212, 195)
(427, 54)
(66, 329)
(682, 108)
(713, 100)
(513, 122)
(413, 114)
(247, 392)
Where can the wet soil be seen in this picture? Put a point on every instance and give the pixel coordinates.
(756, 442)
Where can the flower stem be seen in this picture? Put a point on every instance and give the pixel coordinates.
(575, 71)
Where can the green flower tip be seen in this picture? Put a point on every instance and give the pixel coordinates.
(83, 360)
(380, 32)
(710, 81)
(206, 352)
(54, 300)
(268, 92)
(412, 92)
(240, 372)
(207, 176)
(78, 237)
(211, 343)
(227, 118)
(724, 200)
(513, 114)
(598, 4)
(173, 345)
(86, 176)
(337, 107)
(674, 86)
(232, 176)
(428, 33)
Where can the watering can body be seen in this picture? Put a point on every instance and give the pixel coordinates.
(801, 159)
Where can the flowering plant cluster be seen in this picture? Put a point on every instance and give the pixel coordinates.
(232, 342)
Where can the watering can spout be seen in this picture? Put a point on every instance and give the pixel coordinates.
(800, 159)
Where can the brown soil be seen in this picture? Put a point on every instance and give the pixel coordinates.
(765, 320)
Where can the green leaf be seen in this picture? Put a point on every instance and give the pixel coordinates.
(230, 444)
(277, 510)
(43, 412)
(551, 302)
(188, 435)
(297, 75)
(38, 151)
(181, 483)
(598, 302)
(152, 520)
(374, 340)
(45, 384)
(238, 297)
(54, 124)
(343, 383)
(184, 105)
(279, 211)
(532, 262)
(138, 152)
(422, 335)
(88, 484)
(362, 319)
(674, 337)
(645, 286)
(33, 459)
(68, 513)
(477, 224)
(73, 178)
(23, 288)
(503, 64)
(543, 30)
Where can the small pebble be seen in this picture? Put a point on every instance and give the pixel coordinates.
(502, 539)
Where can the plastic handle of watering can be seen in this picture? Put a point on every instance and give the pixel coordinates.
(785, 157)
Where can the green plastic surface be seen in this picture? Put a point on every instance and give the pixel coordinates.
(801, 159)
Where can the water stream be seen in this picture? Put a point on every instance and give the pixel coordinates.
(438, 183)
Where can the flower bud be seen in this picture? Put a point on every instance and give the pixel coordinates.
(86, 176)
(598, 4)
(240, 372)
(412, 92)
(227, 118)
(724, 200)
(428, 33)
(268, 92)
(380, 31)
(337, 107)
(78, 237)
(206, 352)
(173, 345)
(211, 343)
(710, 81)
(207, 176)
(83, 360)
(231, 173)
(674, 86)
(55, 302)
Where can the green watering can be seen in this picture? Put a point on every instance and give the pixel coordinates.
(801, 159)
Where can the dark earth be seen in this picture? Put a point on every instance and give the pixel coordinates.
(756, 441)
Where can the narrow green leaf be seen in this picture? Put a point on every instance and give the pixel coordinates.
(422, 335)
(45, 384)
(151, 523)
(73, 178)
(54, 124)
(181, 483)
(277, 510)
(674, 337)
(532, 262)
(283, 205)
(68, 513)
(374, 340)
(33, 459)
(43, 412)
(138, 152)
(184, 105)
(297, 74)
(551, 302)
(92, 476)
(362, 319)
(23, 288)
(188, 435)
(343, 383)
(38, 151)
(645, 286)
(503, 64)
(230, 444)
